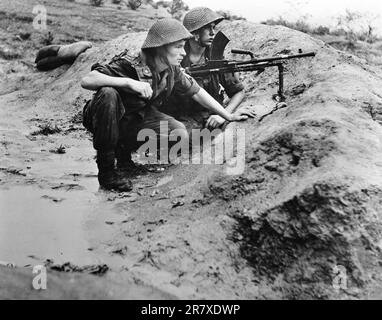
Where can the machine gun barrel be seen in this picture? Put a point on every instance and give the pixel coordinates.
(232, 66)
(221, 66)
(270, 59)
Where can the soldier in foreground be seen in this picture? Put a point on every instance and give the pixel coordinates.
(129, 92)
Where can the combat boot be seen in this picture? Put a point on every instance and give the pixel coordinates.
(108, 178)
(126, 165)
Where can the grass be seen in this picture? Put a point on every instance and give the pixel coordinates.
(60, 150)
(9, 54)
(46, 129)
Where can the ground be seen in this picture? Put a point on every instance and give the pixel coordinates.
(309, 198)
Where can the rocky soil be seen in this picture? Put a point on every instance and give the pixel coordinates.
(309, 199)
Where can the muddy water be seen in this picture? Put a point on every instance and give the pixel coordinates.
(36, 225)
(55, 213)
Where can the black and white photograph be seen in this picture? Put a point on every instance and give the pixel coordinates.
(190, 150)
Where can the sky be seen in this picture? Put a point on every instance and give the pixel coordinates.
(318, 11)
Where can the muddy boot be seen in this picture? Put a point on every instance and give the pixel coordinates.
(108, 177)
(126, 165)
(130, 167)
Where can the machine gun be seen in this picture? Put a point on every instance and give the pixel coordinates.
(217, 65)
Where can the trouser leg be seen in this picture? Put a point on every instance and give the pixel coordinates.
(127, 144)
(102, 117)
(168, 130)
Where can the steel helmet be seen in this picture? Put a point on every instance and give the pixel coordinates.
(200, 17)
(165, 31)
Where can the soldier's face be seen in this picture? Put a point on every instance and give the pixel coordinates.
(206, 35)
(175, 52)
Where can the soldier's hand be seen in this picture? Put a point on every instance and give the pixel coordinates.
(214, 122)
(237, 116)
(143, 89)
(248, 111)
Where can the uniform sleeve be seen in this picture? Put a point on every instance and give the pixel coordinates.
(116, 68)
(184, 84)
(232, 84)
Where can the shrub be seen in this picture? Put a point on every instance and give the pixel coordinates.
(302, 26)
(9, 54)
(349, 23)
(164, 4)
(299, 25)
(96, 3)
(46, 129)
(338, 32)
(134, 4)
(25, 35)
(277, 22)
(47, 39)
(177, 9)
(321, 30)
(229, 15)
(148, 2)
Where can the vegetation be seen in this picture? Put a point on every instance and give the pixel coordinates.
(353, 26)
(354, 32)
(47, 38)
(46, 129)
(96, 3)
(358, 26)
(228, 15)
(134, 4)
(164, 4)
(178, 8)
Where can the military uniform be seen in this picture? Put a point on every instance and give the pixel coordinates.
(190, 112)
(115, 116)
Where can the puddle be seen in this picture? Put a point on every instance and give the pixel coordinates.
(37, 224)
(59, 213)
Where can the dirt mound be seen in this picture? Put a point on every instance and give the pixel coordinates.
(308, 202)
(310, 199)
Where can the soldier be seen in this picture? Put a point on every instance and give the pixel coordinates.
(129, 91)
(201, 22)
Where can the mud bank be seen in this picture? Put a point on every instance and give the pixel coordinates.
(17, 284)
(309, 199)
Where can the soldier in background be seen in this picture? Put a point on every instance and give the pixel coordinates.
(201, 22)
(130, 90)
